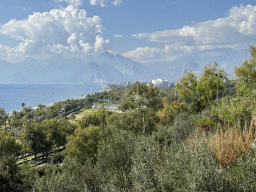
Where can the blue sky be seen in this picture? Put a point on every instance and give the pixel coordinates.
(143, 30)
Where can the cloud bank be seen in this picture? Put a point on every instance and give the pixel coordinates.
(62, 31)
(238, 27)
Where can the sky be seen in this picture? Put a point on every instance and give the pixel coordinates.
(142, 30)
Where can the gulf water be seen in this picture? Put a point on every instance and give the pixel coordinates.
(12, 95)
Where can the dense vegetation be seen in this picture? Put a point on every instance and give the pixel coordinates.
(186, 139)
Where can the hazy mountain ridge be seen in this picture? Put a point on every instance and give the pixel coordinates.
(110, 68)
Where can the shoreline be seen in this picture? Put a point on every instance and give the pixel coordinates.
(10, 112)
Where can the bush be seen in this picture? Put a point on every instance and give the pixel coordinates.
(115, 159)
(133, 121)
(203, 173)
(243, 174)
(236, 112)
(180, 129)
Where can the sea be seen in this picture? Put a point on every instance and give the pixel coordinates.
(12, 95)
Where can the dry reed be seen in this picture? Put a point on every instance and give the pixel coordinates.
(228, 145)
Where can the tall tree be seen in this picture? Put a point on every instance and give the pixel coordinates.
(33, 138)
(84, 143)
(201, 93)
(246, 74)
(8, 144)
(210, 82)
(186, 87)
(144, 99)
(3, 117)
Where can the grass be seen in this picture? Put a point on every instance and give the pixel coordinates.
(230, 144)
(88, 111)
(84, 113)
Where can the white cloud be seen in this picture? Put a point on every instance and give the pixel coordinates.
(144, 54)
(66, 31)
(116, 2)
(101, 44)
(101, 3)
(118, 36)
(140, 35)
(75, 3)
(239, 27)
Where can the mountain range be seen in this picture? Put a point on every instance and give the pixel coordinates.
(107, 67)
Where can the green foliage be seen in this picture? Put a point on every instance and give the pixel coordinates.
(236, 112)
(202, 172)
(170, 111)
(133, 121)
(41, 137)
(207, 124)
(207, 85)
(243, 175)
(32, 138)
(246, 74)
(180, 129)
(196, 106)
(166, 115)
(186, 87)
(141, 96)
(115, 159)
(9, 178)
(201, 93)
(57, 131)
(95, 118)
(146, 164)
(8, 144)
(230, 89)
(83, 144)
(3, 117)
(71, 177)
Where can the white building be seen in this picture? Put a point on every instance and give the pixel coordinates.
(160, 83)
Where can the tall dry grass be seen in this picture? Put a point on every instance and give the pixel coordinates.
(228, 145)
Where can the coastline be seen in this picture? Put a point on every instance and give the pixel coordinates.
(55, 96)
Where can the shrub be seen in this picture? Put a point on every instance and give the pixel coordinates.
(236, 112)
(133, 121)
(243, 174)
(159, 169)
(115, 159)
(202, 171)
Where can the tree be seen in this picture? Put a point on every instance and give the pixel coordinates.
(246, 74)
(143, 98)
(170, 111)
(201, 93)
(22, 104)
(3, 117)
(207, 85)
(33, 138)
(84, 143)
(187, 87)
(8, 144)
(57, 131)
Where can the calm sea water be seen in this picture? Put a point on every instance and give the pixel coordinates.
(12, 95)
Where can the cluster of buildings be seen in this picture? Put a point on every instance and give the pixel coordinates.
(160, 83)
(156, 82)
